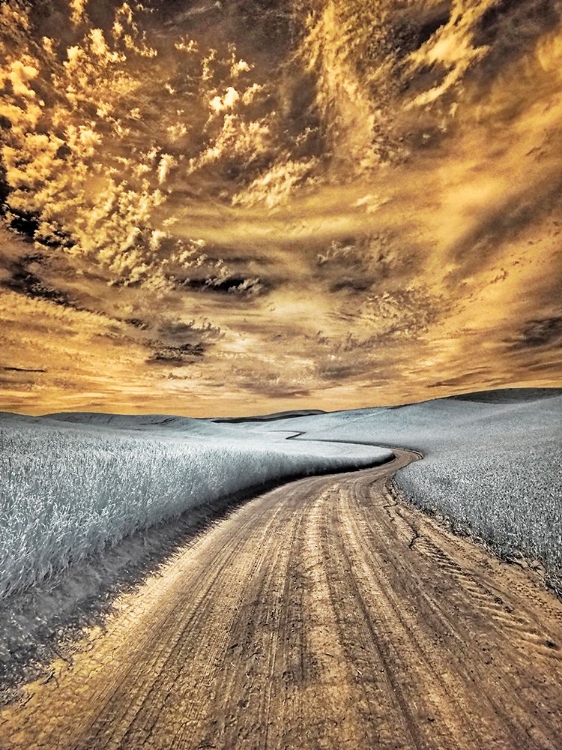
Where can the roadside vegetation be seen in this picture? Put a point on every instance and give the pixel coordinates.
(70, 490)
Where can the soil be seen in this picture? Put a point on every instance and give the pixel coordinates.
(322, 614)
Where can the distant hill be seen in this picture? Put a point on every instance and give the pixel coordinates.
(272, 417)
(510, 395)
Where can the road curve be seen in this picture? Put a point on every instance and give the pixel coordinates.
(323, 614)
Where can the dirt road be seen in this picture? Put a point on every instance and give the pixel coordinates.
(320, 615)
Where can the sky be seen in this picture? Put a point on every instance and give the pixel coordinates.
(240, 207)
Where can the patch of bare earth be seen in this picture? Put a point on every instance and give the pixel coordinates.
(322, 614)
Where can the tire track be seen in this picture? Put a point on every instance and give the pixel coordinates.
(323, 614)
(407, 628)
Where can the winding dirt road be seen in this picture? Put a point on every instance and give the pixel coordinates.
(322, 614)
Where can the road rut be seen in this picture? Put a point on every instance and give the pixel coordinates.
(322, 614)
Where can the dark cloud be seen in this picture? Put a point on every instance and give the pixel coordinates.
(467, 379)
(20, 369)
(185, 354)
(142, 325)
(358, 285)
(508, 28)
(338, 371)
(545, 332)
(235, 285)
(276, 390)
(24, 281)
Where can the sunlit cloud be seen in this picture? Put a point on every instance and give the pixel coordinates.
(333, 205)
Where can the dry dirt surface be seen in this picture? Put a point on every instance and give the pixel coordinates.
(323, 614)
